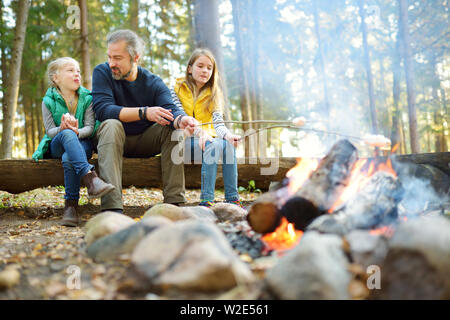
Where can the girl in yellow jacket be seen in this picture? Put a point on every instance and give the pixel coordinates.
(198, 93)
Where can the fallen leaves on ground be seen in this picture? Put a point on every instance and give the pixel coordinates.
(46, 253)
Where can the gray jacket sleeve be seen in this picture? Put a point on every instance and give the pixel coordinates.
(50, 127)
(219, 125)
(89, 123)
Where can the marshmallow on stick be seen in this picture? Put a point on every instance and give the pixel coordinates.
(299, 121)
(377, 140)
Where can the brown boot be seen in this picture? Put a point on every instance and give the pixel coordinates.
(96, 187)
(70, 217)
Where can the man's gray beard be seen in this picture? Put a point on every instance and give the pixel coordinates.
(122, 77)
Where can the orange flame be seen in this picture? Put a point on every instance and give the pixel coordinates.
(284, 237)
(359, 178)
(300, 173)
(387, 231)
(394, 148)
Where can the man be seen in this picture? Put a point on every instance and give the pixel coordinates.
(138, 117)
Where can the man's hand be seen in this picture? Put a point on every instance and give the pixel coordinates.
(233, 139)
(188, 123)
(159, 115)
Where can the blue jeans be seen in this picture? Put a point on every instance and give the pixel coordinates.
(74, 154)
(218, 149)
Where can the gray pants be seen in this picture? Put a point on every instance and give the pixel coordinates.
(113, 145)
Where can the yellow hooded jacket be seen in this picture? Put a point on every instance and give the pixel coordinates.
(195, 108)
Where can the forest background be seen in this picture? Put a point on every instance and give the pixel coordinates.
(348, 66)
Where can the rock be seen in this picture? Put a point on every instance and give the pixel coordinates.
(201, 213)
(229, 212)
(169, 211)
(190, 255)
(124, 241)
(105, 223)
(367, 249)
(316, 268)
(418, 261)
(9, 277)
(57, 266)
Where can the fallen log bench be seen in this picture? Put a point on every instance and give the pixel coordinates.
(19, 175)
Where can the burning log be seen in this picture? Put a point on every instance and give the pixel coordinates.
(314, 198)
(375, 203)
(264, 215)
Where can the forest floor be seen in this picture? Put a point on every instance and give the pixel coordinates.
(32, 242)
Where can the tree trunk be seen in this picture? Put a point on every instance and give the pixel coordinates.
(322, 62)
(33, 126)
(27, 112)
(4, 69)
(14, 78)
(191, 41)
(86, 60)
(38, 109)
(243, 87)
(409, 73)
(445, 123)
(207, 34)
(396, 71)
(372, 108)
(133, 14)
(439, 137)
(253, 45)
(403, 135)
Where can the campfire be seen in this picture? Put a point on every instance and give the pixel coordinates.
(336, 194)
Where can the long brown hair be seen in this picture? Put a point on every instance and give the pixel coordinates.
(216, 100)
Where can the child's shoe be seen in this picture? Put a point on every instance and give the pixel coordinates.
(237, 202)
(206, 203)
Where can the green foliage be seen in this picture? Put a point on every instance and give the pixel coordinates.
(250, 188)
(279, 37)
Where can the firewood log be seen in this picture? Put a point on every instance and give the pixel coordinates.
(264, 215)
(314, 198)
(324, 186)
(374, 204)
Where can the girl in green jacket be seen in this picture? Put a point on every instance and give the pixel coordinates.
(69, 123)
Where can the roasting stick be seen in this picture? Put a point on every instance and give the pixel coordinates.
(298, 124)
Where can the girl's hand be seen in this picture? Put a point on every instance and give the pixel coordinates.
(73, 126)
(203, 138)
(63, 124)
(69, 122)
(72, 121)
(233, 139)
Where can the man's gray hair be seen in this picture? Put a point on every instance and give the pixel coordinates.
(135, 45)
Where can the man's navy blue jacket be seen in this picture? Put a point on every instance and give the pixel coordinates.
(109, 96)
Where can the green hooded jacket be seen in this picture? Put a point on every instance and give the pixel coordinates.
(57, 106)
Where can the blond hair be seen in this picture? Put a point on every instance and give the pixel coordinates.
(216, 100)
(54, 67)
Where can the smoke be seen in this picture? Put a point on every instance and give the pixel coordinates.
(419, 193)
